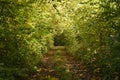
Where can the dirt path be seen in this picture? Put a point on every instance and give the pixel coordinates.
(58, 65)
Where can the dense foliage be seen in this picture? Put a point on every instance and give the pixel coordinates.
(97, 34)
(23, 38)
(88, 28)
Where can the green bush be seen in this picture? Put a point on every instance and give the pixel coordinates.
(22, 42)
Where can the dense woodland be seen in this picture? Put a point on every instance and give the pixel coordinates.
(89, 29)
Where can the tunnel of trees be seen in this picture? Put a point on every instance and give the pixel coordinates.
(89, 29)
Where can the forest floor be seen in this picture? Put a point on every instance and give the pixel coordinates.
(58, 65)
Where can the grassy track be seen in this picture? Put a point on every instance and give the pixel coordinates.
(58, 65)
